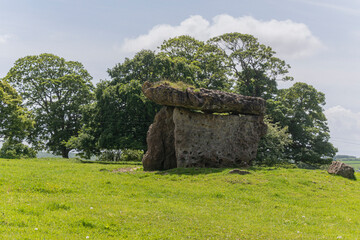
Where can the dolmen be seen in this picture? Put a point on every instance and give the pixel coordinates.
(202, 128)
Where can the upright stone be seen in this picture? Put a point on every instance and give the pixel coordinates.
(160, 140)
(209, 140)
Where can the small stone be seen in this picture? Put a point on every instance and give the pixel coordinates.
(341, 169)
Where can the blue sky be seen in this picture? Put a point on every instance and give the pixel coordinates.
(318, 38)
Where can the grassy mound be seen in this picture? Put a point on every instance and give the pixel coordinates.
(67, 199)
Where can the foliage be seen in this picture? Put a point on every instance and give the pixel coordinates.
(121, 115)
(131, 155)
(65, 199)
(346, 157)
(300, 108)
(253, 66)
(13, 149)
(119, 119)
(272, 146)
(54, 90)
(206, 66)
(15, 121)
(124, 155)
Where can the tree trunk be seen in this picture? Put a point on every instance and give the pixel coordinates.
(65, 153)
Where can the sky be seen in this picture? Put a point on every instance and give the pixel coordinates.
(318, 38)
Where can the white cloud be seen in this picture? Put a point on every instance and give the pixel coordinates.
(344, 127)
(287, 38)
(4, 38)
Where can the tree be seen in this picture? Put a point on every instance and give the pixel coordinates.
(206, 61)
(15, 121)
(300, 108)
(235, 62)
(14, 149)
(54, 90)
(252, 65)
(272, 146)
(121, 114)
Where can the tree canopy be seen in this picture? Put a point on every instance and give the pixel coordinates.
(54, 90)
(69, 115)
(15, 120)
(233, 62)
(300, 108)
(253, 66)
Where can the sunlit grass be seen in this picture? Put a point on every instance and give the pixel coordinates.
(65, 199)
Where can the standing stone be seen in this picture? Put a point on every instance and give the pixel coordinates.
(209, 140)
(342, 169)
(183, 136)
(160, 139)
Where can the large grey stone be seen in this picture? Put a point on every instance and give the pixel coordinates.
(160, 140)
(209, 101)
(183, 138)
(209, 140)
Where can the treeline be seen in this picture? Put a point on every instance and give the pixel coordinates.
(51, 103)
(346, 158)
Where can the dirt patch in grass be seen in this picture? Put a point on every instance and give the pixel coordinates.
(123, 170)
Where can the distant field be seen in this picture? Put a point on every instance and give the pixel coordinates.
(354, 164)
(350, 160)
(66, 199)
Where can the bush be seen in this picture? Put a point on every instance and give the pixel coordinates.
(132, 155)
(13, 150)
(121, 155)
(272, 145)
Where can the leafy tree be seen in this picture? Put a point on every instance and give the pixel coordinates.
(252, 65)
(118, 120)
(300, 108)
(15, 121)
(14, 149)
(272, 146)
(54, 90)
(206, 62)
(121, 114)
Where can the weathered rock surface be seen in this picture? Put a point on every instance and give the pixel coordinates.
(206, 100)
(182, 138)
(160, 139)
(342, 169)
(208, 140)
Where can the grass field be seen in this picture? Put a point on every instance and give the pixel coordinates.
(66, 199)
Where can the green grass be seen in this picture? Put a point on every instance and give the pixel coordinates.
(66, 199)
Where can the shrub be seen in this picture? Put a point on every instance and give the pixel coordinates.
(12, 150)
(121, 155)
(272, 145)
(132, 155)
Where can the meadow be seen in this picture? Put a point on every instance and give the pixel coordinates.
(67, 199)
